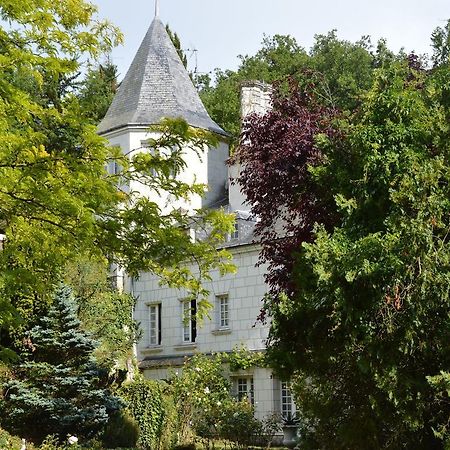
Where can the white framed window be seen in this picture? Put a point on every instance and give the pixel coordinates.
(189, 321)
(286, 402)
(235, 233)
(223, 311)
(154, 324)
(113, 166)
(245, 389)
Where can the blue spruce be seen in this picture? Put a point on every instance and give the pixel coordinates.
(57, 390)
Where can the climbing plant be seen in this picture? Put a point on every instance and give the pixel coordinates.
(241, 358)
(145, 404)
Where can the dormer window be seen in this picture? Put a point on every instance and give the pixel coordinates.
(235, 233)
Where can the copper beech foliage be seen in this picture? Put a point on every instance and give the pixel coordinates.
(354, 225)
(276, 151)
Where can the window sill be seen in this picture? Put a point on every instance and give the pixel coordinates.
(221, 331)
(151, 350)
(186, 346)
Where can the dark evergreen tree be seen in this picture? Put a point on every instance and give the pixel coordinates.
(98, 90)
(177, 44)
(58, 389)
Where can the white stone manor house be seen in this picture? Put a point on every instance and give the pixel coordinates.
(157, 86)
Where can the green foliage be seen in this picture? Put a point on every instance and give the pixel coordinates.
(237, 423)
(367, 328)
(242, 359)
(97, 90)
(232, 421)
(177, 44)
(104, 311)
(278, 57)
(198, 391)
(58, 383)
(440, 39)
(205, 406)
(122, 431)
(145, 404)
(340, 71)
(441, 386)
(9, 442)
(56, 199)
(346, 69)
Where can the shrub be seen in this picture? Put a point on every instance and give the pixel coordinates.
(238, 423)
(9, 442)
(197, 392)
(121, 431)
(145, 404)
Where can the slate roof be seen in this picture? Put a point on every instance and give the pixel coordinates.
(156, 85)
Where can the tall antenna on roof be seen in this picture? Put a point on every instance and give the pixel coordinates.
(156, 8)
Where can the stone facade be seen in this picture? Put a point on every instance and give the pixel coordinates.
(243, 291)
(255, 98)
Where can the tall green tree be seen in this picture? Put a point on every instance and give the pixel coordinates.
(340, 69)
(360, 300)
(56, 199)
(177, 44)
(57, 390)
(106, 313)
(98, 90)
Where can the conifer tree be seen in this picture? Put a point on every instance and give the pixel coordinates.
(354, 225)
(57, 389)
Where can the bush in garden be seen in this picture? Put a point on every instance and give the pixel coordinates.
(205, 407)
(122, 431)
(145, 404)
(198, 391)
(271, 425)
(238, 423)
(7, 441)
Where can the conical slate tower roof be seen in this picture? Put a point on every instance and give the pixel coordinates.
(156, 86)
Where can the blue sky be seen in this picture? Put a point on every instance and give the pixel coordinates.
(221, 30)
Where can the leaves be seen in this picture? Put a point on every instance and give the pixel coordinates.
(57, 199)
(58, 382)
(360, 300)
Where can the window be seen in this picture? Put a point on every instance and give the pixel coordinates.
(154, 324)
(287, 405)
(235, 233)
(189, 321)
(114, 168)
(223, 313)
(245, 389)
(146, 145)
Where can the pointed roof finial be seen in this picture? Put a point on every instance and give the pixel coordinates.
(156, 8)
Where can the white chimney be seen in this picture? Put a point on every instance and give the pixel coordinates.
(256, 97)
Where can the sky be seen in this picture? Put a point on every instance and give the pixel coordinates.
(220, 30)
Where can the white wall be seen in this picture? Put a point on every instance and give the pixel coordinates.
(245, 290)
(207, 168)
